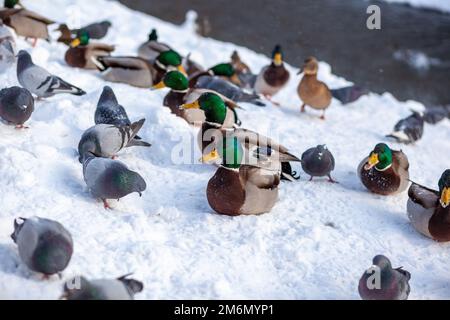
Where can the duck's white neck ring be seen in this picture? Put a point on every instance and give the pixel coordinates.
(381, 170)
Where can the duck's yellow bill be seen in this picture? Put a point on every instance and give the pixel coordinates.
(159, 85)
(182, 70)
(212, 156)
(278, 59)
(373, 161)
(75, 43)
(445, 197)
(193, 105)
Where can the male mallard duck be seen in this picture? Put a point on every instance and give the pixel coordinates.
(180, 94)
(385, 171)
(216, 127)
(82, 52)
(26, 23)
(429, 210)
(223, 70)
(136, 71)
(273, 77)
(243, 189)
(96, 30)
(313, 92)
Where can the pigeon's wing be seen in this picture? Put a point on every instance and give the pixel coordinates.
(35, 78)
(58, 85)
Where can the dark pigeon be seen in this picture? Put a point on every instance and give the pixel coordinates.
(349, 94)
(408, 130)
(318, 162)
(96, 30)
(16, 105)
(436, 114)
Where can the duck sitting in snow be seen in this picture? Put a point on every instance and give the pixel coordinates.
(216, 126)
(136, 71)
(82, 52)
(429, 210)
(384, 171)
(180, 94)
(25, 23)
(273, 77)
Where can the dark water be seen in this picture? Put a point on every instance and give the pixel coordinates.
(334, 31)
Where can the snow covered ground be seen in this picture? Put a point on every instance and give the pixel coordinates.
(315, 243)
(440, 5)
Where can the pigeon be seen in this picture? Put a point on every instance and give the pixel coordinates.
(436, 114)
(106, 140)
(408, 130)
(97, 30)
(123, 288)
(349, 94)
(110, 179)
(382, 282)
(318, 162)
(39, 81)
(45, 246)
(7, 48)
(16, 105)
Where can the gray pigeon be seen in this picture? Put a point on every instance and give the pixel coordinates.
(382, 282)
(45, 246)
(436, 114)
(39, 81)
(318, 162)
(106, 140)
(96, 30)
(7, 48)
(123, 288)
(408, 130)
(109, 111)
(110, 179)
(16, 105)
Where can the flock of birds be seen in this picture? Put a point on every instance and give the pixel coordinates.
(250, 166)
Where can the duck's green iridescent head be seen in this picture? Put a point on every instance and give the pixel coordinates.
(223, 69)
(380, 158)
(11, 3)
(169, 58)
(213, 106)
(231, 152)
(174, 80)
(444, 188)
(277, 56)
(153, 35)
(82, 39)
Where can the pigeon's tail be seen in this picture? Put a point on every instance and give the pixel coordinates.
(349, 94)
(65, 87)
(404, 272)
(138, 143)
(251, 98)
(399, 136)
(287, 173)
(133, 286)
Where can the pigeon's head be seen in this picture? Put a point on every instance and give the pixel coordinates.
(213, 106)
(129, 181)
(18, 224)
(277, 55)
(153, 35)
(169, 60)
(382, 262)
(321, 148)
(310, 66)
(82, 39)
(380, 158)
(174, 80)
(107, 97)
(444, 189)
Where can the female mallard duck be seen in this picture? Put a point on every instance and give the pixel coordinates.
(429, 210)
(136, 71)
(385, 171)
(243, 189)
(180, 94)
(25, 23)
(313, 92)
(216, 127)
(273, 77)
(82, 52)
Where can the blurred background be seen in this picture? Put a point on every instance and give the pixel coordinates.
(409, 56)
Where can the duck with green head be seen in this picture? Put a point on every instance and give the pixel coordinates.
(82, 52)
(25, 23)
(429, 210)
(384, 171)
(136, 71)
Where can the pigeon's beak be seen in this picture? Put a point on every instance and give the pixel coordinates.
(212, 156)
(445, 197)
(373, 161)
(193, 105)
(75, 43)
(159, 85)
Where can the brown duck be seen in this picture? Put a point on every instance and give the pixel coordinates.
(429, 210)
(385, 171)
(312, 92)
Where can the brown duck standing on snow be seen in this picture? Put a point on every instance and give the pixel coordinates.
(429, 210)
(312, 92)
(273, 77)
(25, 23)
(82, 52)
(384, 171)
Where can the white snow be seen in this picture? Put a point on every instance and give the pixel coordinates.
(316, 242)
(440, 5)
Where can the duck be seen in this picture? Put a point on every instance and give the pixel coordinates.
(246, 77)
(274, 77)
(225, 71)
(312, 92)
(429, 210)
(96, 30)
(136, 71)
(25, 23)
(384, 171)
(215, 126)
(82, 52)
(180, 94)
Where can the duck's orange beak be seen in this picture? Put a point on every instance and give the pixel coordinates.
(212, 156)
(182, 70)
(373, 161)
(75, 43)
(445, 197)
(193, 105)
(278, 59)
(159, 85)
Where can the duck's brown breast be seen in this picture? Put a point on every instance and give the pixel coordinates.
(440, 224)
(76, 57)
(381, 182)
(314, 93)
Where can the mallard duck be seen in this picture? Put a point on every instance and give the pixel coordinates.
(180, 94)
(311, 91)
(246, 77)
(136, 71)
(429, 210)
(384, 171)
(96, 30)
(82, 52)
(216, 127)
(25, 23)
(274, 77)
